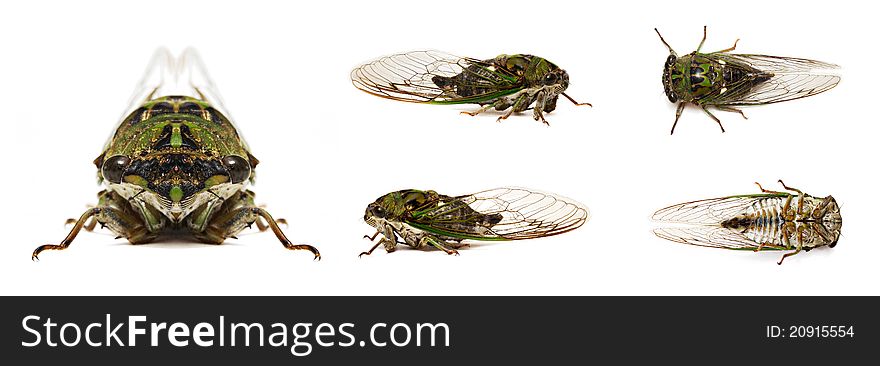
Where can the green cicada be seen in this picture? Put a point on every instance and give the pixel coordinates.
(769, 220)
(425, 219)
(175, 162)
(507, 82)
(724, 80)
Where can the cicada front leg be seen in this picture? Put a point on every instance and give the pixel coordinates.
(238, 213)
(389, 240)
(113, 212)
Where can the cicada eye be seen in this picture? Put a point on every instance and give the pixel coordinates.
(238, 168)
(114, 167)
(670, 60)
(550, 79)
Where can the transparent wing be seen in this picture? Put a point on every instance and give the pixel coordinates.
(707, 212)
(167, 75)
(793, 78)
(414, 77)
(505, 214)
(711, 236)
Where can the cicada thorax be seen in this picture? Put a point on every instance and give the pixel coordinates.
(782, 221)
(176, 155)
(700, 78)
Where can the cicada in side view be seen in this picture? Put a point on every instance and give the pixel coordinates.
(770, 220)
(425, 219)
(175, 162)
(725, 80)
(507, 82)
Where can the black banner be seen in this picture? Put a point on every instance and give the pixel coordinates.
(438, 330)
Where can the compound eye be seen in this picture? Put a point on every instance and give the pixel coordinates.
(378, 211)
(113, 168)
(550, 79)
(670, 60)
(238, 168)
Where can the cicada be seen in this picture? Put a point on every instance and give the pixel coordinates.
(427, 219)
(507, 82)
(175, 163)
(770, 220)
(725, 80)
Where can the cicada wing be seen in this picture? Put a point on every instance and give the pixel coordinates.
(792, 78)
(422, 77)
(707, 212)
(167, 75)
(710, 236)
(505, 214)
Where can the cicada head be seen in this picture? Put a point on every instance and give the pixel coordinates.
(375, 214)
(830, 218)
(169, 156)
(669, 68)
(176, 184)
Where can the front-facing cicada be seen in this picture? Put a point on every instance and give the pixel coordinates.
(175, 162)
(507, 82)
(769, 220)
(725, 80)
(425, 219)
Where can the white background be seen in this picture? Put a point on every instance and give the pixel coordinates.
(327, 149)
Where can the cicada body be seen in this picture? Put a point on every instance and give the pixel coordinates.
(771, 220)
(724, 80)
(507, 82)
(426, 219)
(176, 162)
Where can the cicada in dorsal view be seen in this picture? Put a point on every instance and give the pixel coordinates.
(771, 220)
(725, 80)
(176, 163)
(427, 219)
(508, 82)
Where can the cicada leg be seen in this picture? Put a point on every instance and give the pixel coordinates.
(575, 102)
(478, 111)
(371, 250)
(70, 236)
(822, 207)
(731, 48)
(800, 208)
(731, 109)
(671, 51)
(113, 212)
(767, 190)
(677, 116)
(239, 212)
(389, 240)
(262, 226)
(538, 112)
(436, 243)
(712, 116)
(90, 226)
(519, 106)
(800, 244)
(702, 41)
(372, 237)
